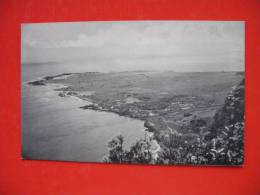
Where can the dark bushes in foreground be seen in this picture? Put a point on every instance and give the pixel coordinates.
(140, 152)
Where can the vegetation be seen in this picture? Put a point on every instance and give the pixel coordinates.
(220, 143)
(140, 152)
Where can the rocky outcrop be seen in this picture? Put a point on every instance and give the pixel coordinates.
(233, 109)
(37, 83)
(226, 139)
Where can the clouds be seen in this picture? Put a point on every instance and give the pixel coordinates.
(168, 42)
(82, 40)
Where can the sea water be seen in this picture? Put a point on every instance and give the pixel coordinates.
(55, 128)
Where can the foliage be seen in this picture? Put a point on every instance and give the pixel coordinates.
(140, 152)
(116, 151)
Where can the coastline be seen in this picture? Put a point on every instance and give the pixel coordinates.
(161, 113)
(132, 96)
(64, 92)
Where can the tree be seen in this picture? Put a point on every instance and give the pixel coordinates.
(116, 151)
(140, 152)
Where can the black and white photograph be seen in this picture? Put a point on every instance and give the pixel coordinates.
(134, 92)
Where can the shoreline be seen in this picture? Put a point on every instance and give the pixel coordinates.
(89, 103)
(148, 129)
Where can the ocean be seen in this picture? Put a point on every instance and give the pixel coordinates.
(55, 128)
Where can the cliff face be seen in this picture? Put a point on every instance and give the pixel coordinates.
(227, 131)
(233, 109)
(223, 145)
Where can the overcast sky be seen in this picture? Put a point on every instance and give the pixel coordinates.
(143, 45)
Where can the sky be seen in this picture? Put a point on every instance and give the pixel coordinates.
(137, 45)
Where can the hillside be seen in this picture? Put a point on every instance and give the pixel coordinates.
(222, 144)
